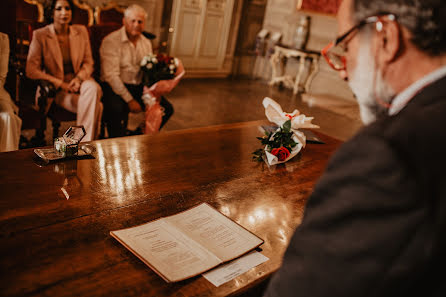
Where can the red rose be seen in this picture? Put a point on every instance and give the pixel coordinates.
(162, 58)
(281, 153)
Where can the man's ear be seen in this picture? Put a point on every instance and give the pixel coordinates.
(389, 40)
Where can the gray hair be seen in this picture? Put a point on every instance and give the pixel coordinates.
(135, 8)
(425, 19)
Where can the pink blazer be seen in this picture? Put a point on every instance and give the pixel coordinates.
(45, 57)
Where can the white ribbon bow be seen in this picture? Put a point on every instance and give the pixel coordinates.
(275, 114)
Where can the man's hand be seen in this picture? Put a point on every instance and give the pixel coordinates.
(134, 106)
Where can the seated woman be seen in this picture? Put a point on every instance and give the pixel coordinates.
(10, 123)
(60, 53)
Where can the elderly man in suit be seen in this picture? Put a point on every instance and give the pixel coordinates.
(375, 223)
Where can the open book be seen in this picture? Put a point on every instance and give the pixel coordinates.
(188, 243)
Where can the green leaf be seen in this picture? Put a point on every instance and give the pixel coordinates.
(287, 126)
(271, 140)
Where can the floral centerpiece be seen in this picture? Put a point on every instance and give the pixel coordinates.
(287, 141)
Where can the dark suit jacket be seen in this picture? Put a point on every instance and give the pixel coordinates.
(375, 224)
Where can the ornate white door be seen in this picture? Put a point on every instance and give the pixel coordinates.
(200, 32)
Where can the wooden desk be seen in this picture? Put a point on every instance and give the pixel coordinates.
(55, 220)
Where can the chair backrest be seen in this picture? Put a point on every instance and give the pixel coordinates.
(29, 13)
(29, 10)
(109, 13)
(97, 33)
(82, 13)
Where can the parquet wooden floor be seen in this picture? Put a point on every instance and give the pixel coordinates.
(205, 102)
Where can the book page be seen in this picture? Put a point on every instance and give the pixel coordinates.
(166, 250)
(219, 234)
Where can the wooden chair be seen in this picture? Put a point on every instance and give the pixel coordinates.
(82, 13)
(111, 13)
(30, 10)
(97, 33)
(54, 112)
(29, 16)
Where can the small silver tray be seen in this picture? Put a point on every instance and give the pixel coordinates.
(50, 154)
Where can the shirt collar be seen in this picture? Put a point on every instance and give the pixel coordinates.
(124, 37)
(404, 97)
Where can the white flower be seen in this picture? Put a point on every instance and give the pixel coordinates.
(143, 61)
(171, 67)
(155, 60)
(149, 66)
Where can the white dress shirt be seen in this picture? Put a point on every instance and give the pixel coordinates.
(404, 97)
(121, 61)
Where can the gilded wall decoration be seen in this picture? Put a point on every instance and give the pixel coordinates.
(92, 3)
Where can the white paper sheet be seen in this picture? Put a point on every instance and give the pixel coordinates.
(231, 270)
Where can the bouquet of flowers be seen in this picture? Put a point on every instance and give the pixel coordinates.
(158, 67)
(155, 68)
(278, 143)
(287, 141)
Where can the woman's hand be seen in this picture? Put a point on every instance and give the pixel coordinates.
(74, 85)
(65, 87)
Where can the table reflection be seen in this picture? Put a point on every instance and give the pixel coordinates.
(121, 175)
(260, 207)
(72, 184)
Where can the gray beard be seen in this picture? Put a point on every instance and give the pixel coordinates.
(365, 89)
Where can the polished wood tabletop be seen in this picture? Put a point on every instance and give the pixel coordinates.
(55, 218)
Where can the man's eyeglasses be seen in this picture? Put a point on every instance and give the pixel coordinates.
(335, 51)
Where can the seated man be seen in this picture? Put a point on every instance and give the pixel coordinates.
(121, 54)
(10, 123)
(375, 223)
